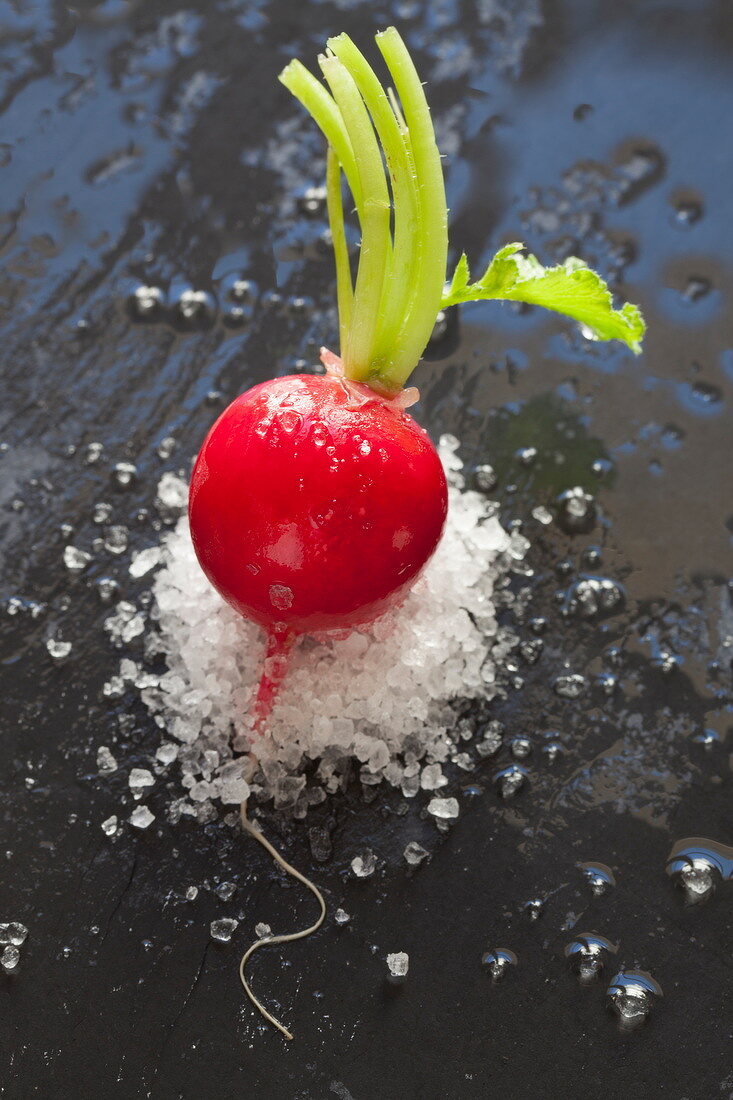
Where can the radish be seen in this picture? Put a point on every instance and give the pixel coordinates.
(316, 501)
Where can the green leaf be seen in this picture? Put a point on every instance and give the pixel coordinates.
(571, 288)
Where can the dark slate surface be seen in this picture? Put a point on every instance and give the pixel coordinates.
(150, 142)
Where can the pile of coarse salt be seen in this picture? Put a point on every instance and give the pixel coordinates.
(376, 704)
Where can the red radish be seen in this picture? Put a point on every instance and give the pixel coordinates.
(316, 501)
(311, 512)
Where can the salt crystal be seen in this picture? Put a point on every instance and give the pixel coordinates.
(225, 890)
(10, 959)
(262, 931)
(139, 779)
(432, 777)
(341, 917)
(172, 495)
(13, 933)
(443, 808)
(145, 560)
(106, 763)
(398, 964)
(414, 854)
(141, 817)
(58, 649)
(76, 560)
(166, 753)
(110, 826)
(365, 864)
(223, 929)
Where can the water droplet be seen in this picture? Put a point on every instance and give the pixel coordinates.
(281, 597)
(195, 308)
(115, 539)
(687, 212)
(576, 511)
(146, 302)
(124, 473)
(527, 456)
(497, 961)
(570, 686)
(698, 865)
(365, 447)
(289, 420)
(582, 111)
(631, 996)
(509, 781)
(697, 287)
(320, 435)
(102, 512)
(107, 589)
(313, 201)
(485, 478)
(521, 747)
(593, 597)
(534, 908)
(588, 953)
(599, 877)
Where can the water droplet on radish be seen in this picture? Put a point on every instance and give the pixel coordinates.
(365, 447)
(281, 596)
(320, 435)
(289, 420)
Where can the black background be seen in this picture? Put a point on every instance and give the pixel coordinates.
(151, 143)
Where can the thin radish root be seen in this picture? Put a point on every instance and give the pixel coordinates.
(270, 940)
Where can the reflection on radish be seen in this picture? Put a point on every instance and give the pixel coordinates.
(316, 501)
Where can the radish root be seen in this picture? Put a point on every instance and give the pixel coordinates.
(267, 941)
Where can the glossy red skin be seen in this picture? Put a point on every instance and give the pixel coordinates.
(295, 486)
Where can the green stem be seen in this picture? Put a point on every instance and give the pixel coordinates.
(376, 249)
(344, 287)
(432, 227)
(405, 200)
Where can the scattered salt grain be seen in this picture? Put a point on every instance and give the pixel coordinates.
(364, 865)
(58, 650)
(166, 753)
(414, 854)
(76, 560)
(110, 826)
(139, 780)
(10, 959)
(262, 931)
(13, 933)
(192, 892)
(225, 890)
(222, 930)
(398, 964)
(432, 778)
(106, 763)
(141, 817)
(145, 560)
(443, 808)
(341, 917)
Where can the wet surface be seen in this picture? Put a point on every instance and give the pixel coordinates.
(150, 146)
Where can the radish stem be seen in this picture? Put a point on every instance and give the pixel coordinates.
(344, 286)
